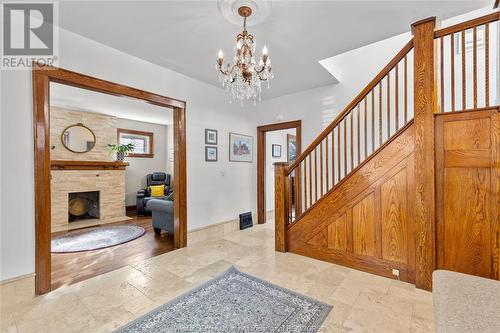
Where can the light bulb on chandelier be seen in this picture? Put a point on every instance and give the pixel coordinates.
(243, 78)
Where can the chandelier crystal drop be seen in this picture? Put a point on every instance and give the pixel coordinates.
(242, 79)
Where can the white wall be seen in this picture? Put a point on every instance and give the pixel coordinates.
(135, 175)
(280, 138)
(215, 191)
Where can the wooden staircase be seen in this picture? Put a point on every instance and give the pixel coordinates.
(407, 178)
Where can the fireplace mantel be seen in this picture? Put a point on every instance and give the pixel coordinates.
(87, 165)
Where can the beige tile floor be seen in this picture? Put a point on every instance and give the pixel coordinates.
(362, 302)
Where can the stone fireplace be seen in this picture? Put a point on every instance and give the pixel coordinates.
(95, 189)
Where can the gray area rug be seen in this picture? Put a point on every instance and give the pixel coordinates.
(95, 238)
(234, 302)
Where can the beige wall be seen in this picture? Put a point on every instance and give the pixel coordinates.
(103, 126)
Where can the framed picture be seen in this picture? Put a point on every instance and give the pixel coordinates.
(210, 136)
(276, 150)
(210, 154)
(291, 143)
(240, 148)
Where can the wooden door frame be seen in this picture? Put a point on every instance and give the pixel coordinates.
(261, 160)
(41, 77)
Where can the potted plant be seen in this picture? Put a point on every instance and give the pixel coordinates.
(121, 150)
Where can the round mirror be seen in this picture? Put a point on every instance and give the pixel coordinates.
(78, 138)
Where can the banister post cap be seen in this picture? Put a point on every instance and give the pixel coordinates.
(426, 20)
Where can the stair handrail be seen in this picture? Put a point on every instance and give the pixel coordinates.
(373, 83)
(489, 18)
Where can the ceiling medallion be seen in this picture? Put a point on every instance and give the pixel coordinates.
(243, 78)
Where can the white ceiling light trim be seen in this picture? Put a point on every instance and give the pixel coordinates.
(260, 10)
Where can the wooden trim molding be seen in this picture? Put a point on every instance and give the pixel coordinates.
(87, 165)
(425, 102)
(41, 78)
(150, 136)
(261, 161)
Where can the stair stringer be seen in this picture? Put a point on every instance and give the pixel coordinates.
(367, 221)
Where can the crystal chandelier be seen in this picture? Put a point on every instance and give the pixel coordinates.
(243, 78)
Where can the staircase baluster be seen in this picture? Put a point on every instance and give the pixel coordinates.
(452, 70)
(474, 64)
(344, 122)
(365, 130)
(441, 74)
(380, 114)
(316, 174)
(333, 157)
(396, 90)
(406, 90)
(487, 64)
(388, 105)
(310, 182)
(326, 165)
(352, 141)
(338, 151)
(464, 97)
(358, 134)
(373, 120)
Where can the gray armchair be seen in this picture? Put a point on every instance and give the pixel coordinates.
(163, 215)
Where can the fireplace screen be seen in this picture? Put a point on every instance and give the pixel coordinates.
(83, 205)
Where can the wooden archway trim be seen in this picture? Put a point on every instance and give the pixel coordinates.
(42, 76)
(261, 160)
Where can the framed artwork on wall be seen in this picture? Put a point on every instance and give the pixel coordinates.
(210, 154)
(240, 148)
(276, 150)
(291, 144)
(210, 136)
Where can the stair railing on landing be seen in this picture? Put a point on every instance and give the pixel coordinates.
(467, 55)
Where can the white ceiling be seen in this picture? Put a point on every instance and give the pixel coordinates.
(185, 35)
(122, 107)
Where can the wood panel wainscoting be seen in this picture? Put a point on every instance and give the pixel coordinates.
(468, 192)
(42, 76)
(367, 221)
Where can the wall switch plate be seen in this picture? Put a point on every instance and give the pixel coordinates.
(395, 272)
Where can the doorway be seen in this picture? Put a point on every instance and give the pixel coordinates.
(43, 76)
(285, 146)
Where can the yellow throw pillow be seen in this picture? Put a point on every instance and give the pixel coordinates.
(157, 190)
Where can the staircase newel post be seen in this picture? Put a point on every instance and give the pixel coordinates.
(425, 101)
(280, 206)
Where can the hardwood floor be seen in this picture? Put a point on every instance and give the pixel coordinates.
(69, 268)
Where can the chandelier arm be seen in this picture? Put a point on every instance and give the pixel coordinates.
(222, 71)
(258, 71)
(261, 78)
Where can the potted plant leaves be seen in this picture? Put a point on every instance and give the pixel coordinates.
(121, 150)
